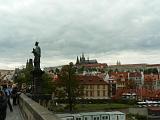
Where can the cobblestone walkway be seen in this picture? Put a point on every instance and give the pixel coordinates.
(15, 115)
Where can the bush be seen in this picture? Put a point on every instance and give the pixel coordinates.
(137, 117)
(140, 117)
(132, 102)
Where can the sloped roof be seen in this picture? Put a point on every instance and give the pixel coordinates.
(135, 74)
(150, 77)
(92, 80)
(119, 75)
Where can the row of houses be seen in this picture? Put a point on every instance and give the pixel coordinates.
(102, 81)
(132, 67)
(117, 84)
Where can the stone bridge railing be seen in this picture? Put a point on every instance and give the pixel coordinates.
(31, 110)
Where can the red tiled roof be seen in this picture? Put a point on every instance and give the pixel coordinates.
(153, 65)
(119, 75)
(91, 80)
(150, 77)
(135, 74)
(141, 92)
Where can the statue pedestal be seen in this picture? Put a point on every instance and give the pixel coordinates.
(37, 82)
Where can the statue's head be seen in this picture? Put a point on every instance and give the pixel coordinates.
(36, 44)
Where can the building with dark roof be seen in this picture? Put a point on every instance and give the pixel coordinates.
(83, 60)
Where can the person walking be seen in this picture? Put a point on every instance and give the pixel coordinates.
(14, 95)
(8, 96)
(3, 106)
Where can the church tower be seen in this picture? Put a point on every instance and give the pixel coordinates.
(77, 62)
(30, 64)
(83, 58)
(27, 64)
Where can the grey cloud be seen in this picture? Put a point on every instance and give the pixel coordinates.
(66, 28)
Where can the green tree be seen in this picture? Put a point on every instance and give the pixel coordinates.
(130, 84)
(81, 69)
(57, 71)
(68, 86)
(47, 84)
(110, 71)
(151, 70)
(25, 76)
(19, 77)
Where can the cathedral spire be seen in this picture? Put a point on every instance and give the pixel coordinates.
(77, 62)
(82, 55)
(83, 58)
(27, 64)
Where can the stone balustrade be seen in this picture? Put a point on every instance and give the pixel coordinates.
(31, 110)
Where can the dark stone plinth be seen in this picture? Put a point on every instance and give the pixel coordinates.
(37, 81)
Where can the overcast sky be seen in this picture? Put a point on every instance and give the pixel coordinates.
(106, 30)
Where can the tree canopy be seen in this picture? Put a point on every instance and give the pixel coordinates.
(68, 86)
(151, 70)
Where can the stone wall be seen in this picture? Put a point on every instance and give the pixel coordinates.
(31, 110)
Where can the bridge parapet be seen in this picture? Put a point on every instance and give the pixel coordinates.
(31, 110)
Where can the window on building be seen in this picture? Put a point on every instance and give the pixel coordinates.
(91, 93)
(86, 93)
(104, 93)
(91, 86)
(105, 118)
(78, 118)
(97, 86)
(103, 86)
(98, 93)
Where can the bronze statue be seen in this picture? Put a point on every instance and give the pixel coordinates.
(37, 54)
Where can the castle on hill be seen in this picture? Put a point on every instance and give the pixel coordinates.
(83, 60)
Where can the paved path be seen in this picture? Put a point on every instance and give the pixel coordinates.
(15, 115)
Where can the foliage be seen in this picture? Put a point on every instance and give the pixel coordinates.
(135, 117)
(57, 71)
(19, 77)
(81, 69)
(140, 117)
(28, 74)
(110, 71)
(47, 84)
(101, 106)
(68, 86)
(130, 84)
(97, 107)
(151, 70)
(25, 76)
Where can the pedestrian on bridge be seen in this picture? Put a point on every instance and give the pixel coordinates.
(14, 95)
(8, 91)
(3, 106)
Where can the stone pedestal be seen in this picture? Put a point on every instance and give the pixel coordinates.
(37, 82)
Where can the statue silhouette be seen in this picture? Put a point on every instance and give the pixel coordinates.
(37, 54)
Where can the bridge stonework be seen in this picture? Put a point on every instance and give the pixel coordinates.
(31, 110)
